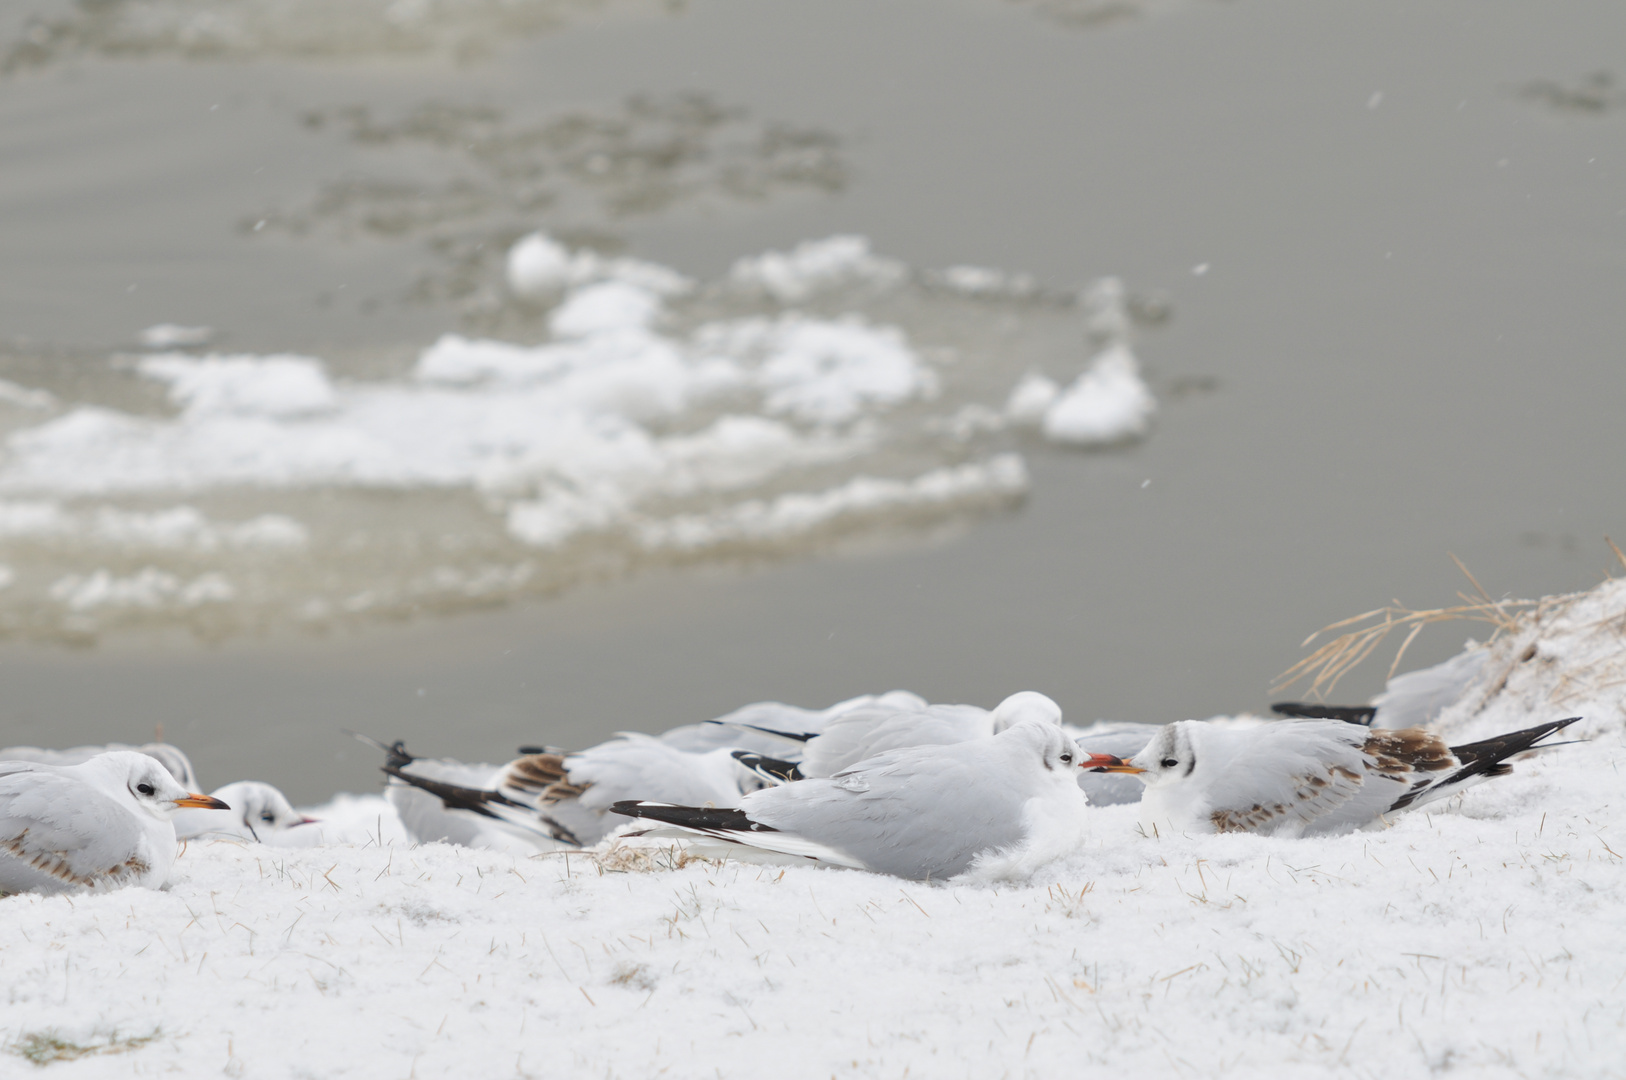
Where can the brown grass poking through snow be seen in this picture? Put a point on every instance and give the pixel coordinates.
(1337, 657)
(1362, 634)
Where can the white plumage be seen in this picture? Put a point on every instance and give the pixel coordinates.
(1305, 777)
(171, 757)
(102, 824)
(998, 805)
(255, 811)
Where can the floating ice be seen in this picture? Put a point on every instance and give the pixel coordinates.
(795, 515)
(24, 398)
(272, 386)
(150, 588)
(603, 308)
(795, 275)
(172, 336)
(655, 417)
(1108, 403)
(538, 266)
(1031, 399)
(177, 528)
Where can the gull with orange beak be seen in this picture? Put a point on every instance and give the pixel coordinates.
(995, 807)
(1306, 777)
(97, 826)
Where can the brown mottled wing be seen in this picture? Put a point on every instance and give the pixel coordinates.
(58, 826)
(1309, 798)
(1412, 758)
(1299, 777)
(539, 779)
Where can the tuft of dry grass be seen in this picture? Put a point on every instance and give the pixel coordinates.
(1337, 657)
(1362, 634)
(45, 1047)
(620, 857)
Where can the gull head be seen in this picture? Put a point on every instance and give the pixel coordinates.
(148, 783)
(261, 808)
(1024, 705)
(1169, 758)
(1053, 747)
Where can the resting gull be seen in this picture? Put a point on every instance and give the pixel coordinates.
(102, 824)
(1306, 777)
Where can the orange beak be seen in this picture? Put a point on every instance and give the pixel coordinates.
(202, 802)
(1106, 763)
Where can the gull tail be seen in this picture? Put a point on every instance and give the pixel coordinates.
(1309, 710)
(489, 804)
(704, 819)
(735, 828)
(1483, 760)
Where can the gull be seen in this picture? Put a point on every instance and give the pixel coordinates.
(555, 800)
(256, 811)
(889, 723)
(771, 727)
(102, 824)
(862, 733)
(171, 757)
(1306, 777)
(1413, 699)
(426, 817)
(996, 806)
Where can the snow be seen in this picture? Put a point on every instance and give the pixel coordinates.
(1483, 937)
(1108, 403)
(537, 266)
(175, 336)
(814, 266)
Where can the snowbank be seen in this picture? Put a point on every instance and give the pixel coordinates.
(1485, 937)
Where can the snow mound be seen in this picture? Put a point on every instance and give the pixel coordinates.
(1483, 937)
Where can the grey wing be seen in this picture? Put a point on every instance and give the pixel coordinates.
(633, 766)
(1120, 739)
(865, 733)
(1296, 777)
(56, 834)
(899, 814)
(170, 757)
(1418, 697)
(753, 726)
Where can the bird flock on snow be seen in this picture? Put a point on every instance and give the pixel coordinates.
(882, 783)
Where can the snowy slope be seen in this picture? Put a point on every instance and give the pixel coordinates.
(1487, 938)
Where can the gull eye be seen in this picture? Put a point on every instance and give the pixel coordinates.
(145, 789)
(268, 817)
(1169, 762)
(1067, 757)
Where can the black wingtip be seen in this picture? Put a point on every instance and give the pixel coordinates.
(771, 768)
(456, 796)
(798, 736)
(1514, 742)
(1309, 710)
(1488, 758)
(691, 817)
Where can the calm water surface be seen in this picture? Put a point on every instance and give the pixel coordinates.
(1392, 239)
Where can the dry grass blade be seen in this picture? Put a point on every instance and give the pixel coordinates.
(1337, 657)
(1616, 550)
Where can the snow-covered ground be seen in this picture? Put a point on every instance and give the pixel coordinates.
(1486, 938)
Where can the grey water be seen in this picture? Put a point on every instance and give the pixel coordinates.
(1392, 239)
